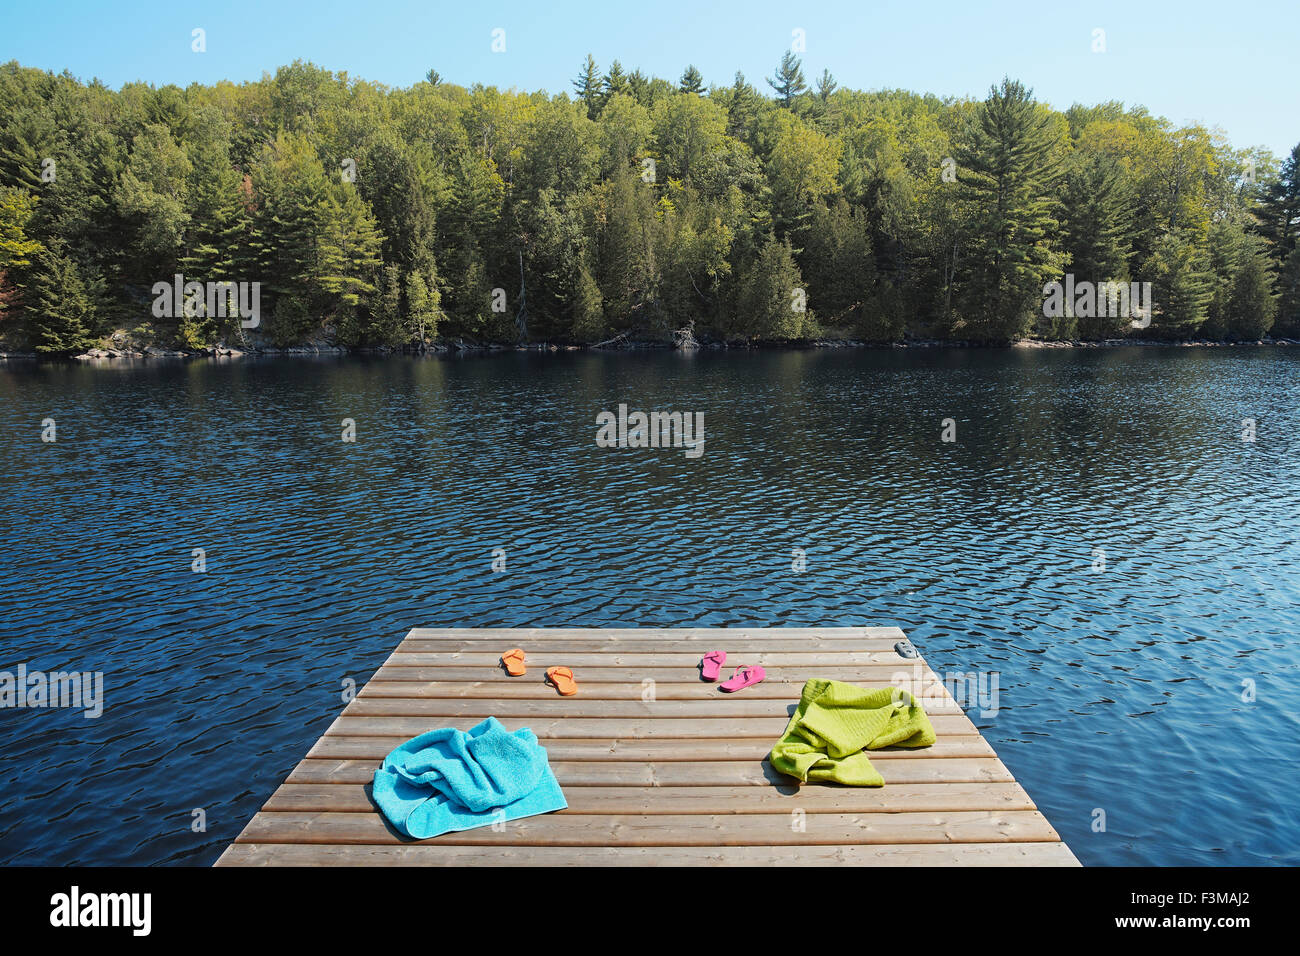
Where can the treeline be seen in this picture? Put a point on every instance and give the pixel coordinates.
(377, 216)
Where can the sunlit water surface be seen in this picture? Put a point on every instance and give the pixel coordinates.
(1160, 690)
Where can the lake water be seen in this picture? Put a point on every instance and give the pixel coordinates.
(1159, 690)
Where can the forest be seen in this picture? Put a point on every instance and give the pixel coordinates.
(632, 208)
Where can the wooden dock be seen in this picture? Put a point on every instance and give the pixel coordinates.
(658, 767)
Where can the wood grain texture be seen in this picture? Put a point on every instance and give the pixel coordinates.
(658, 767)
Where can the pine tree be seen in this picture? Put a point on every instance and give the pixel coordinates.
(152, 196)
(349, 244)
(1242, 304)
(1288, 287)
(1278, 214)
(615, 80)
(742, 102)
(59, 304)
(788, 81)
(1182, 286)
(1252, 304)
(1006, 172)
(290, 190)
(826, 85)
(627, 266)
(692, 81)
(386, 325)
(841, 272)
(587, 307)
(638, 84)
(773, 300)
(587, 85)
(242, 183)
(470, 302)
(79, 209)
(214, 247)
(1096, 216)
(28, 137)
(1279, 208)
(397, 188)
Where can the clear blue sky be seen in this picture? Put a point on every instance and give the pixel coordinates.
(1232, 65)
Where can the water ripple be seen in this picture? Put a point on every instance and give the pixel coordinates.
(1119, 689)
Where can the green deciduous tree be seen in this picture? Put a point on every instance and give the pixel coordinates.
(687, 131)
(384, 216)
(16, 248)
(423, 303)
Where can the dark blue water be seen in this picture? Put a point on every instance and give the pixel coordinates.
(1123, 690)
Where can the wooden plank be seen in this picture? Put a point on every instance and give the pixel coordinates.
(827, 648)
(422, 854)
(679, 779)
(866, 675)
(635, 747)
(548, 729)
(810, 798)
(720, 773)
(552, 706)
(768, 829)
(686, 663)
(926, 685)
(784, 635)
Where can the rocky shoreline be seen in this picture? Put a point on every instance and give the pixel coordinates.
(313, 350)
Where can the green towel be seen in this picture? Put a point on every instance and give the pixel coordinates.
(835, 721)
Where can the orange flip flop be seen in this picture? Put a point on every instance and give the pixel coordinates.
(563, 680)
(513, 660)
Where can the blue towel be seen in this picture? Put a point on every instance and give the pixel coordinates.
(449, 780)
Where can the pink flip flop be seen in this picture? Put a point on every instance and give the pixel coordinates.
(743, 677)
(711, 665)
